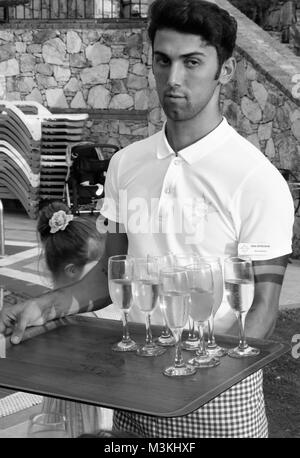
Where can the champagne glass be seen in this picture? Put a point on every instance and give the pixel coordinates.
(120, 275)
(192, 341)
(47, 425)
(217, 272)
(239, 289)
(166, 339)
(201, 304)
(145, 289)
(175, 306)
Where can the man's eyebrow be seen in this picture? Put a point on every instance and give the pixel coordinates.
(189, 54)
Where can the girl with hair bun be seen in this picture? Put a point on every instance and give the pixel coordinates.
(71, 246)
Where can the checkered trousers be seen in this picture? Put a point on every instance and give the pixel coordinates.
(237, 412)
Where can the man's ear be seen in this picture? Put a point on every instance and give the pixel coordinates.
(227, 71)
(71, 271)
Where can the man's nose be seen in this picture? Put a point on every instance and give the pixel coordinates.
(175, 74)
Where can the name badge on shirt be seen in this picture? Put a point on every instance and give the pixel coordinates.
(253, 249)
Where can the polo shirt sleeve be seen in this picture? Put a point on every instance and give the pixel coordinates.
(110, 206)
(263, 209)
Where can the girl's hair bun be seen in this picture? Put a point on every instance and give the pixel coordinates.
(46, 214)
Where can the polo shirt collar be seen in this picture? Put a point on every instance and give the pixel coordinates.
(163, 149)
(194, 152)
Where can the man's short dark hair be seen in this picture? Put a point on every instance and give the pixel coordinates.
(214, 24)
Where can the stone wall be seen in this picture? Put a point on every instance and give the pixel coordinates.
(96, 70)
(264, 115)
(105, 69)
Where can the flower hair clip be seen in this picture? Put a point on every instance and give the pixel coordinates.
(59, 221)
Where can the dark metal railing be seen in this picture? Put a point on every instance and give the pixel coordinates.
(52, 10)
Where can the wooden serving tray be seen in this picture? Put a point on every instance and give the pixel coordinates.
(72, 359)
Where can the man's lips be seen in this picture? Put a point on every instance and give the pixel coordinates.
(174, 96)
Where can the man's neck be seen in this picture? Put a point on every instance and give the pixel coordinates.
(181, 134)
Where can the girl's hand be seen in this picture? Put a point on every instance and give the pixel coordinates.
(14, 319)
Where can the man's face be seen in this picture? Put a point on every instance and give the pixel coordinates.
(185, 68)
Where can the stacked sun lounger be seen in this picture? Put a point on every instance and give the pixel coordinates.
(33, 152)
(58, 134)
(20, 136)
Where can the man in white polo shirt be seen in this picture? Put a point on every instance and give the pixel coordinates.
(197, 200)
(196, 186)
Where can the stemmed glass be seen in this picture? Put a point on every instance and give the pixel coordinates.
(120, 276)
(201, 303)
(48, 425)
(192, 341)
(239, 289)
(145, 289)
(166, 339)
(175, 306)
(213, 348)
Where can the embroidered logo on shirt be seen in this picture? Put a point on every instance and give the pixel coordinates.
(198, 208)
(197, 212)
